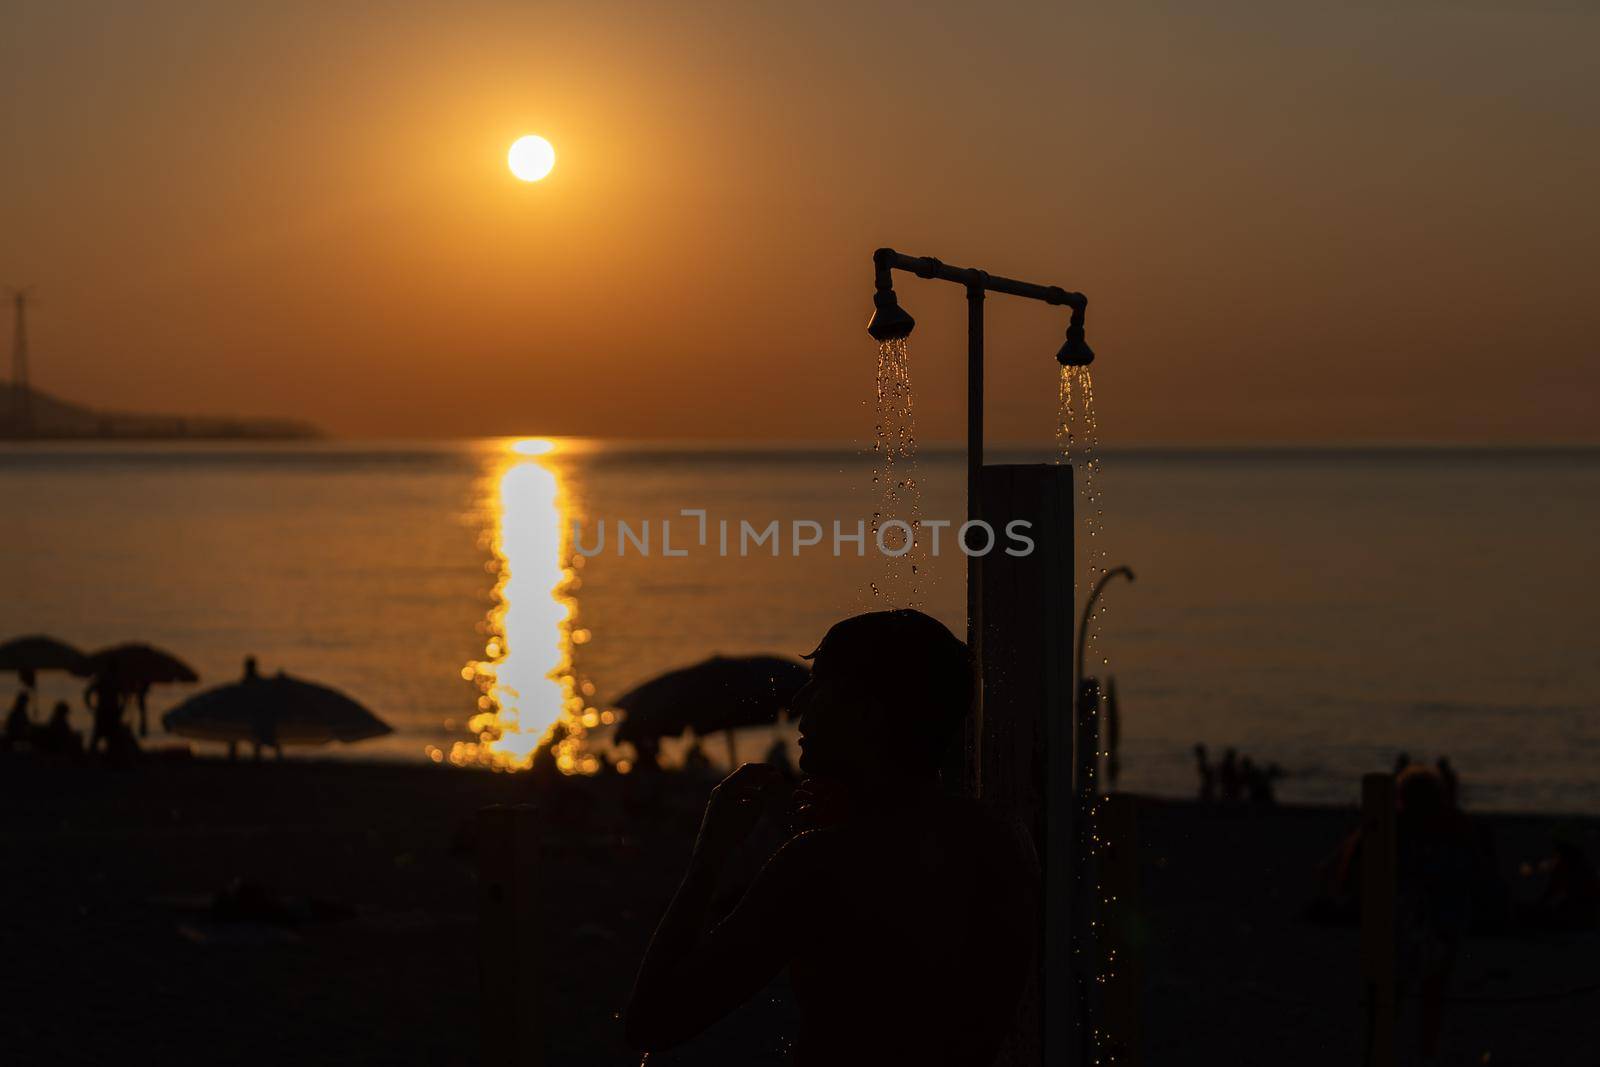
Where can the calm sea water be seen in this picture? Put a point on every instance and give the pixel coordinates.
(1320, 610)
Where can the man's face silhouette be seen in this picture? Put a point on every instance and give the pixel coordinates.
(836, 726)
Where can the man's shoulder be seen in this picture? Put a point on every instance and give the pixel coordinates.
(811, 861)
(1001, 838)
(819, 845)
(982, 818)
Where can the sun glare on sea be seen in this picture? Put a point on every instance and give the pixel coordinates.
(526, 681)
(531, 157)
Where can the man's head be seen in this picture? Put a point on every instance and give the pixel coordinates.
(888, 691)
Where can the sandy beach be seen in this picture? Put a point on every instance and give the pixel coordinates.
(113, 942)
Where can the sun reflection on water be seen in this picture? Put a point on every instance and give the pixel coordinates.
(529, 694)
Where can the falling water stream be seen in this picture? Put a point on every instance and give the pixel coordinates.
(1077, 437)
(1088, 462)
(894, 481)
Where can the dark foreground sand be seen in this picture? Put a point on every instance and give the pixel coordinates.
(110, 954)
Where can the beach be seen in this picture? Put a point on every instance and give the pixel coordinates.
(115, 944)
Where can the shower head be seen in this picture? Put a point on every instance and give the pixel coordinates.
(889, 320)
(1076, 351)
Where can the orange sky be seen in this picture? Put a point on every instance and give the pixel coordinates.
(1295, 222)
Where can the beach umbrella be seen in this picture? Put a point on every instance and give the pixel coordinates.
(721, 693)
(135, 668)
(27, 656)
(278, 710)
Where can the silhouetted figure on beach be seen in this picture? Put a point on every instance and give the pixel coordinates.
(545, 767)
(1439, 860)
(265, 738)
(18, 726)
(1452, 785)
(695, 760)
(122, 748)
(1571, 896)
(103, 698)
(141, 698)
(647, 755)
(1257, 780)
(58, 735)
(1446, 853)
(906, 916)
(778, 759)
(1230, 784)
(1446, 885)
(1208, 776)
(265, 727)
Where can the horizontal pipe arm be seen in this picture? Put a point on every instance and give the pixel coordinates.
(887, 259)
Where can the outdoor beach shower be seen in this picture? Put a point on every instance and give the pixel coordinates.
(1027, 746)
(890, 322)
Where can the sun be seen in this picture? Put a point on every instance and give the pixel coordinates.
(531, 157)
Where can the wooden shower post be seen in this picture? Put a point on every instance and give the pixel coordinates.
(1026, 746)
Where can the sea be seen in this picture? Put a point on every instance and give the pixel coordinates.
(1319, 609)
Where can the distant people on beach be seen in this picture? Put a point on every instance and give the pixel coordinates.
(1258, 788)
(104, 699)
(1449, 852)
(1208, 776)
(647, 755)
(1447, 778)
(906, 917)
(122, 747)
(1570, 899)
(19, 727)
(1229, 784)
(141, 700)
(1235, 780)
(695, 760)
(544, 765)
(778, 759)
(58, 736)
(55, 737)
(1447, 884)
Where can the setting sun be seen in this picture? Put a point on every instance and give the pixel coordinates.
(531, 157)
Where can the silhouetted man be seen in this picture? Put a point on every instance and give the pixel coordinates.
(906, 917)
(1208, 776)
(1229, 783)
(19, 727)
(103, 698)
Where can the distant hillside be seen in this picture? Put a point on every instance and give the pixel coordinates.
(60, 419)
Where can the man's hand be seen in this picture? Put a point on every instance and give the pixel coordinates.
(733, 811)
(818, 803)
